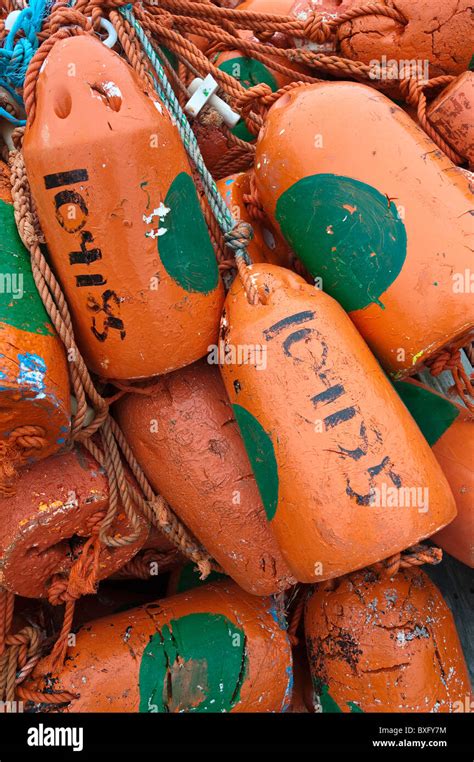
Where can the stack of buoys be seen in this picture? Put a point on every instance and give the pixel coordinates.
(262, 444)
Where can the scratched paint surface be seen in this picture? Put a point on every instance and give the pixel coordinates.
(197, 663)
(183, 241)
(346, 232)
(27, 311)
(31, 373)
(378, 645)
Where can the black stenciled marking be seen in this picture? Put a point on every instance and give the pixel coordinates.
(293, 338)
(71, 198)
(296, 319)
(85, 256)
(331, 395)
(358, 452)
(373, 471)
(65, 178)
(90, 280)
(109, 298)
(336, 418)
(328, 395)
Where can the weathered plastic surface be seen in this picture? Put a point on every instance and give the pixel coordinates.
(437, 38)
(385, 646)
(212, 649)
(388, 231)
(452, 113)
(449, 429)
(187, 441)
(34, 383)
(345, 475)
(45, 524)
(121, 216)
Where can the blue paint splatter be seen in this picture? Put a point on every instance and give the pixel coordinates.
(277, 614)
(31, 373)
(289, 689)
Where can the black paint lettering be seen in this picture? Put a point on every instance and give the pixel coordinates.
(372, 472)
(109, 298)
(296, 319)
(85, 256)
(336, 418)
(300, 335)
(71, 177)
(328, 395)
(90, 280)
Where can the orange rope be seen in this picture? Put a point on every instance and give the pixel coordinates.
(450, 359)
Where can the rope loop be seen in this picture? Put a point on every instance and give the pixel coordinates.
(417, 555)
(238, 238)
(317, 29)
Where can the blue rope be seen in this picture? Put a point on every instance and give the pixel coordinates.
(165, 91)
(16, 54)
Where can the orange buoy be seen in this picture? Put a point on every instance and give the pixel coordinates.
(413, 45)
(45, 524)
(124, 228)
(267, 245)
(34, 384)
(345, 475)
(449, 430)
(212, 649)
(375, 235)
(187, 442)
(385, 645)
(452, 114)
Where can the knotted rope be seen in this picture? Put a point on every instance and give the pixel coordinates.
(449, 358)
(417, 555)
(140, 567)
(19, 652)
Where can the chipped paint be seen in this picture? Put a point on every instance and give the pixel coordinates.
(31, 373)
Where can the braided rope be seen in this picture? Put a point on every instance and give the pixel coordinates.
(417, 555)
(19, 652)
(449, 358)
